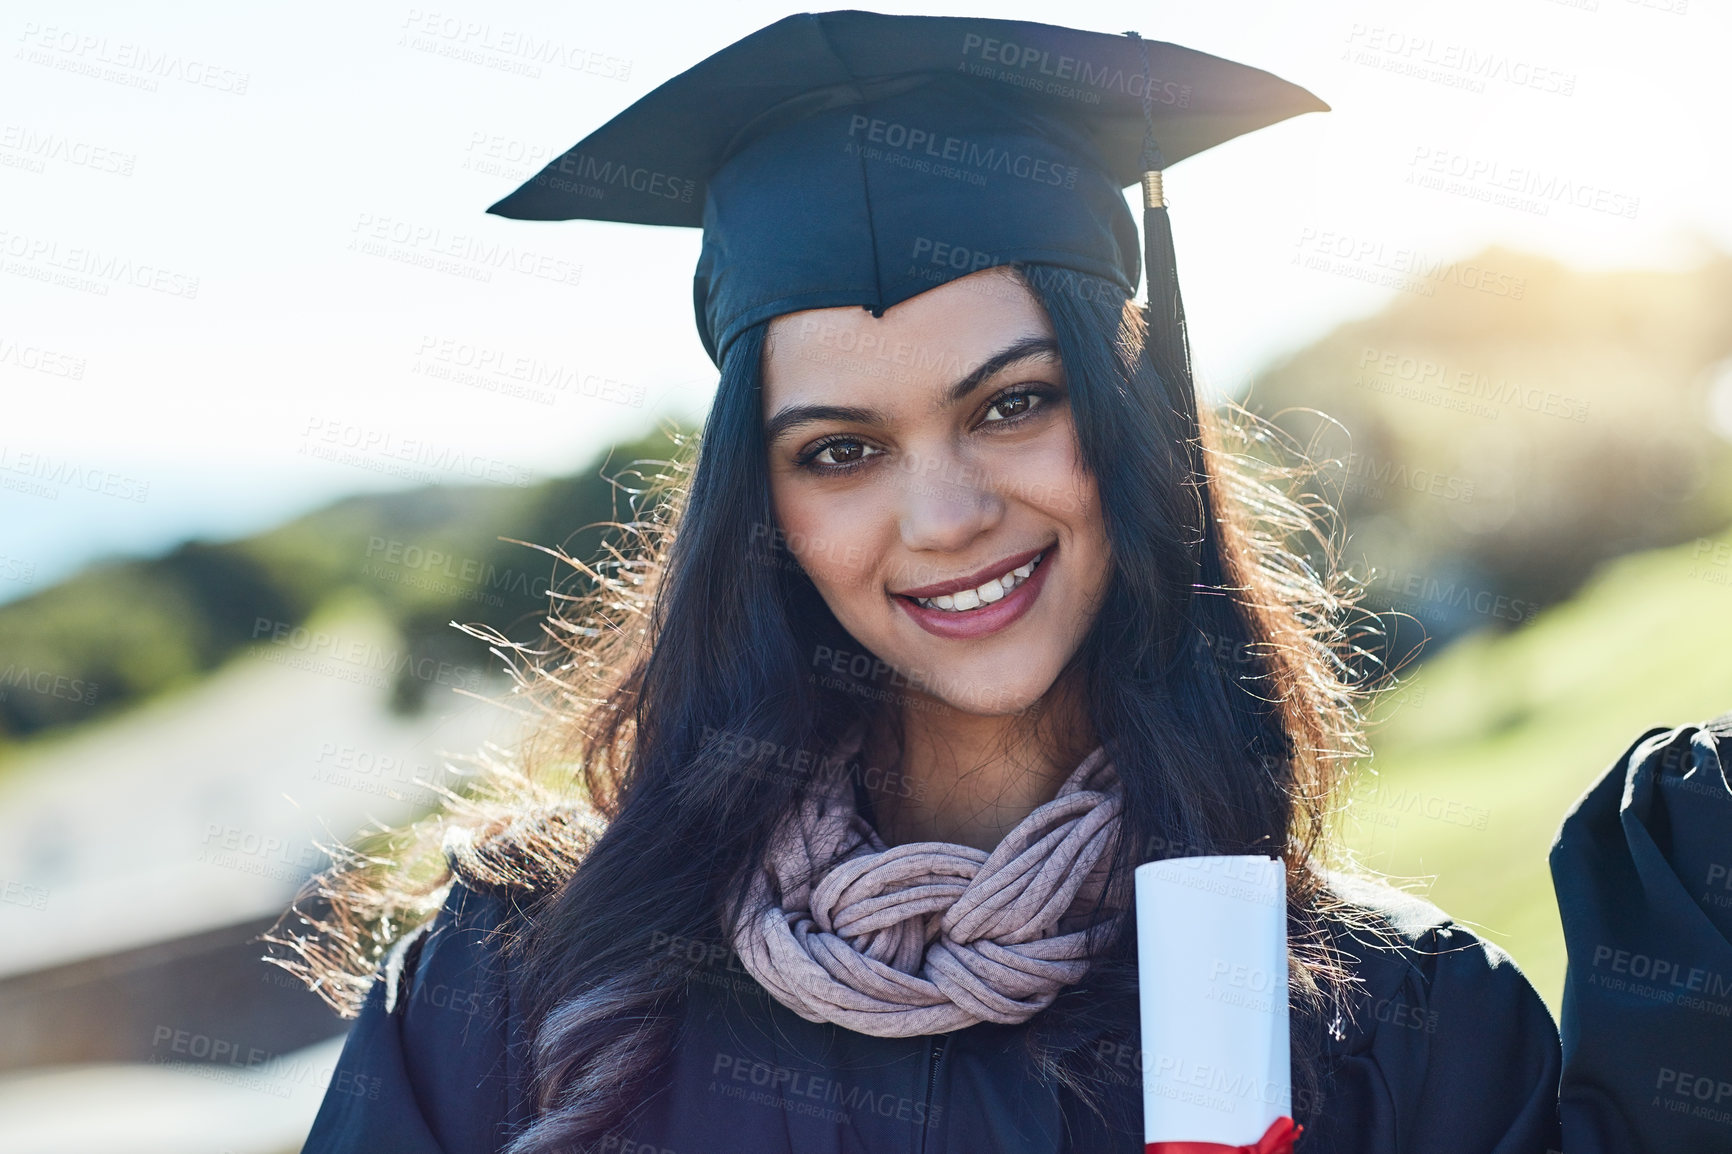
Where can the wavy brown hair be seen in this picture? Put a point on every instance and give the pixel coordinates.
(1219, 674)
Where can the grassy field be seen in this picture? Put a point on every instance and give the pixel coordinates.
(1492, 741)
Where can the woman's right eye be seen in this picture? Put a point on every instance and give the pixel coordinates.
(837, 454)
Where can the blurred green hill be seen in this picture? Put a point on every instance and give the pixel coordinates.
(1484, 749)
(122, 632)
(1493, 449)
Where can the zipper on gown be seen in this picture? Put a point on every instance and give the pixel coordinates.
(934, 1057)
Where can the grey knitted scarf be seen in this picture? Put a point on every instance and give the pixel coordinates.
(929, 937)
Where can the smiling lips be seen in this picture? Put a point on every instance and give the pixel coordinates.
(971, 607)
(988, 591)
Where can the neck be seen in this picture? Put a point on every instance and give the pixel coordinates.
(970, 778)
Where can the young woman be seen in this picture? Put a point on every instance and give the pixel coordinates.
(964, 610)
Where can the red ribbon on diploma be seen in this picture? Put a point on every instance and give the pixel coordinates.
(1277, 1139)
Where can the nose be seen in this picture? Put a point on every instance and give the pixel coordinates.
(947, 502)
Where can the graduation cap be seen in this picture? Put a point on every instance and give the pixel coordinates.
(854, 158)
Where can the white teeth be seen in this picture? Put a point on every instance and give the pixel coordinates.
(986, 594)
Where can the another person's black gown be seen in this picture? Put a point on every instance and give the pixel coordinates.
(1643, 874)
(1447, 1049)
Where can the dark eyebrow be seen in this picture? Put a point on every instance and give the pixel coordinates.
(793, 416)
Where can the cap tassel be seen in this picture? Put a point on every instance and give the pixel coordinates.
(1166, 343)
(1165, 308)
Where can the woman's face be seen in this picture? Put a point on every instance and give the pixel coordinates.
(925, 472)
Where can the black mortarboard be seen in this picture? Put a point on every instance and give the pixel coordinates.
(853, 158)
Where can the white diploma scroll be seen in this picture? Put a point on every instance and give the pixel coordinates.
(1212, 973)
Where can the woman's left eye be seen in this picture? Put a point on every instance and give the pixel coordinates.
(1013, 405)
(838, 455)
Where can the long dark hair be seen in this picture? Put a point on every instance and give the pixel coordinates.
(1213, 675)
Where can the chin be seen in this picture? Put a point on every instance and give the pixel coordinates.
(995, 697)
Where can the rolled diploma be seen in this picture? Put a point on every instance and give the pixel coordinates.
(1212, 978)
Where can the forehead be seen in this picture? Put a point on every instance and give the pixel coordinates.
(922, 344)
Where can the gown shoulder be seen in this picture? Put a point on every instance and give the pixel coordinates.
(1642, 866)
(1443, 1045)
(436, 1061)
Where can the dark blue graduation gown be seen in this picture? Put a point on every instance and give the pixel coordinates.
(1449, 1051)
(1643, 874)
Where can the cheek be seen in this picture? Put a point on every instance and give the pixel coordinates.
(1051, 477)
(829, 535)
(1062, 488)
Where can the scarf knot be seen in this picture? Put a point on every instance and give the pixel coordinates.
(929, 937)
